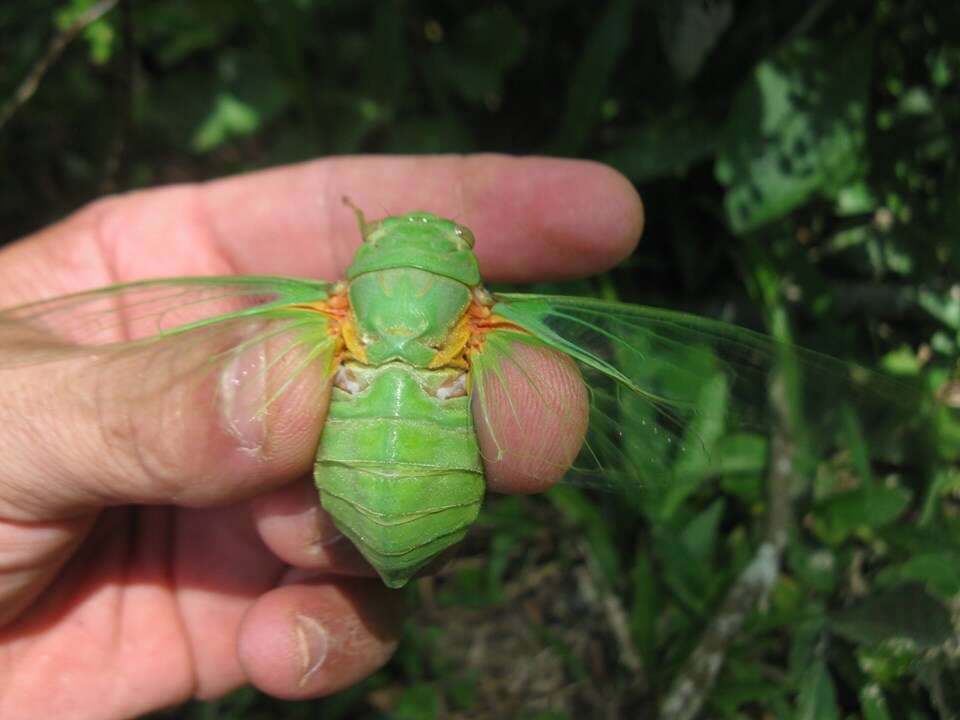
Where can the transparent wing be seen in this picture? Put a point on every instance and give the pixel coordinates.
(142, 339)
(152, 309)
(678, 398)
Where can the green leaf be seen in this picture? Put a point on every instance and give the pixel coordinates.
(817, 699)
(482, 48)
(100, 34)
(576, 506)
(816, 568)
(868, 506)
(179, 29)
(480, 586)
(945, 307)
(906, 613)
(691, 581)
(855, 199)
(944, 484)
(855, 441)
(605, 45)
(101, 38)
(948, 440)
(939, 572)
(689, 29)
(700, 534)
(873, 704)
(462, 691)
(887, 664)
(247, 94)
(741, 453)
(901, 361)
(229, 118)
(645, 607)
(796, 130)
(705, 429)
(428, 135)
(664, 147)
(386, 71)
(743, 682)
(806, 639)
(418, 702)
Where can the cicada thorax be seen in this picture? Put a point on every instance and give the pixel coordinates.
(399, 467)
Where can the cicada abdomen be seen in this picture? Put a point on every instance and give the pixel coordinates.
(398, 466)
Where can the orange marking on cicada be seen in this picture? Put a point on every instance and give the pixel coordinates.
(486, 325)
(467, 336)
(342, 325)
(452, 349)
(478, 311)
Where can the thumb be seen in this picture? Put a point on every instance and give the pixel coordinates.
(208, 417)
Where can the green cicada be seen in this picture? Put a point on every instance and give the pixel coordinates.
(421, 357)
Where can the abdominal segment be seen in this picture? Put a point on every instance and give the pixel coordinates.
(398, 466)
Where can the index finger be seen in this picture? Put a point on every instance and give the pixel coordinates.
(534, 218)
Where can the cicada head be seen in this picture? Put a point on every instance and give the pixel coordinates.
(416, 240)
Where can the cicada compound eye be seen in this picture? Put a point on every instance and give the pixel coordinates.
(464, 234)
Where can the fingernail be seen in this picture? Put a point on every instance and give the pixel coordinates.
(327, 533)
(313, 642)
(242, 388)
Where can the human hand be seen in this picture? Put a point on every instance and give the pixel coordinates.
(154, 559)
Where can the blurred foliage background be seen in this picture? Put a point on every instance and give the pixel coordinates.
(799, 164)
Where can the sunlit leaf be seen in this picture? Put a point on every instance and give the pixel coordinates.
(796, 129)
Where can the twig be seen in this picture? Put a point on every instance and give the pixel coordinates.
(750, 590)
(809, 18)
(692, 686)
(616, 618)
(57, 45)
(781, 475)
(123, 91)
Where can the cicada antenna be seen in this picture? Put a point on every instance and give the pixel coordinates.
(384, 210)
(361, 220)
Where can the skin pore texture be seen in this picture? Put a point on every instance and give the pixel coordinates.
(152, 549)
